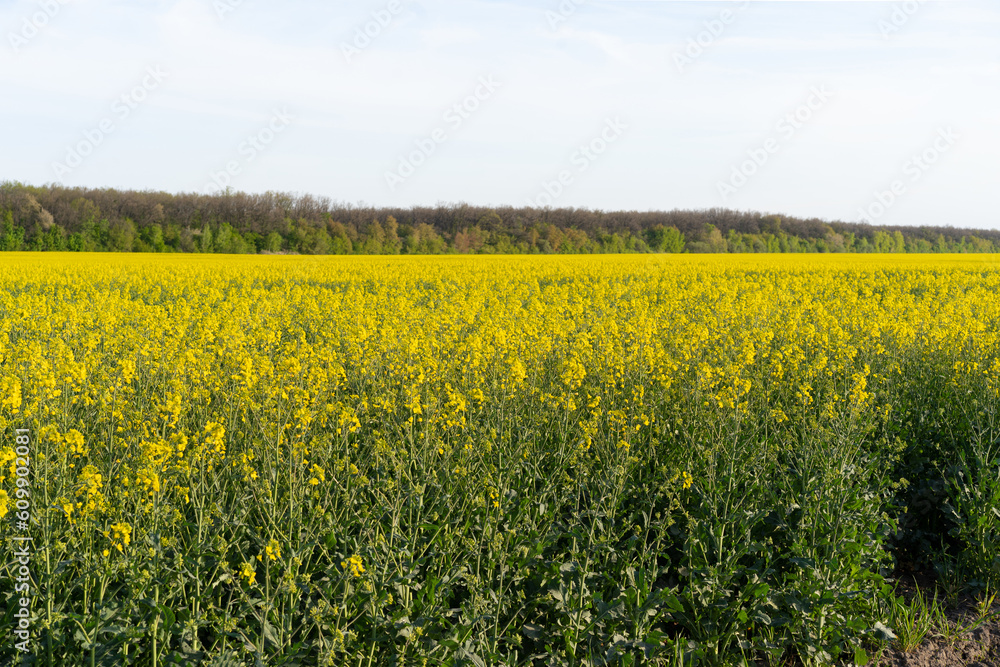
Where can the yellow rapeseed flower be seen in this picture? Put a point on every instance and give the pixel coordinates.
(248, 572)
(353, 565)
(318, 475)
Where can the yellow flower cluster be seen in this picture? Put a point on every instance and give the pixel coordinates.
(248, 572)
(353, 565)
(317, 475)
(120, 535)
(686, 480)
(273, 550)
(7, 467)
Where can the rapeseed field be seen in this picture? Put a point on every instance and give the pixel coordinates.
(634, 460)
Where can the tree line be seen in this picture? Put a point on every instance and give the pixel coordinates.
(59, 218)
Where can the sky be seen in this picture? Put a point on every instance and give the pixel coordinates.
(884, 112)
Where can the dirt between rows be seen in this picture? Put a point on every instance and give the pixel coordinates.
(979, 648)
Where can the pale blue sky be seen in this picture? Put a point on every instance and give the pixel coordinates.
(666, 125)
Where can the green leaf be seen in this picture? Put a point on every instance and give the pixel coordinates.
(168, 616)
(269, 634)
(532, 631)
(673, 603)
(882, 632)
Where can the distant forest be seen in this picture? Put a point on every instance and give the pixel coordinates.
(80, 219)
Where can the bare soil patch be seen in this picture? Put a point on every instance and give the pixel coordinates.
(977, 648)
(980, 648)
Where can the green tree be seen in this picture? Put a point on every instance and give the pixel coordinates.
(374, 237)
(577, 241)
(340, 240)
(273, 242)
(94, 235)
(665, 239)
(711, 241)
(121, 235)
(13, 236)
(735, 242)
(207, 243)
(230, 241)
(882, 242)
(634, 244)
(424, 240)
(898, 242)
(321, 243)
(54, 239)
(153, 237)
(392, 244)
